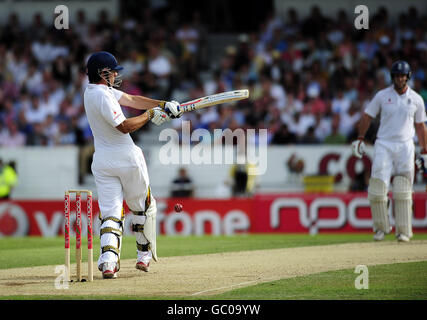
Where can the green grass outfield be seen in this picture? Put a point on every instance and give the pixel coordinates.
(394, 281)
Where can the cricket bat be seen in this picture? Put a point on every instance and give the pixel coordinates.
(214, 99)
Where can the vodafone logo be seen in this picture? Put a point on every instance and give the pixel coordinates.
(184, 223)
(13, 220)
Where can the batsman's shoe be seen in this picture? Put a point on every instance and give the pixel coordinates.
(379, 235)
(143, 266)
(143, 260)
(109, 270)
(402, 238)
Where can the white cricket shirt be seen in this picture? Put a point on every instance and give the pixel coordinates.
(397, 113)
(104, 114)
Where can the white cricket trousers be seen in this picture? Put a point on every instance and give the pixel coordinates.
(391, 158)
(119, 176)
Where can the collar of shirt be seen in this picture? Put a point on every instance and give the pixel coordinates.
(98, 86)
(403, 95)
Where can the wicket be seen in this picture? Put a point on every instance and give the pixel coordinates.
(79, 233)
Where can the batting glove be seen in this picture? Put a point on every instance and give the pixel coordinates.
(173, 109)
(421, 161)
(358, 147)
(158, 116)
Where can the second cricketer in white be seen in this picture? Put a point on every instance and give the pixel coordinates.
(118, 164)
(400, 109)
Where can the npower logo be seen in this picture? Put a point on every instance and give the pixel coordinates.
(347, 213)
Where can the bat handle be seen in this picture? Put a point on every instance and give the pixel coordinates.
(170, 114)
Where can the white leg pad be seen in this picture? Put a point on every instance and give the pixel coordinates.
(402, 197)
(145, 228)
(150, 228)
(377, 195)
(109, 239)
(139, 220)
(140, 238)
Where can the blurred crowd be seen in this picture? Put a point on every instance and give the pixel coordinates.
(309, 78)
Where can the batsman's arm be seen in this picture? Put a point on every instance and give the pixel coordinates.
(364, 124)
(421, 131)
(134, 123)
(140, 102)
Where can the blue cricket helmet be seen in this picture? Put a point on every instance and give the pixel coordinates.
(99, 61)
(400, 67)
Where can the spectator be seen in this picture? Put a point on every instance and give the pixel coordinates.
(314, 103)
(48, 130)
(243, 183)
(340, 104)
(8, 179)
(309, 137)
(8, 113)
(360, 182)
(283, 136)
(182, 186)
(293, 105)
(33, 81)
(38, 137)
(349, 120)
(132, 65)
(23, 125)
(46, 51)
(275, 91)
(300, 124)
(335, 137)
(65, 135)
(12, 137)
(36, 114)
(61, 70)
(17, 65)
(239, 175)
(314, 23)
(189, 36)
(81, 26)
(46, 104)
(323, 127)
(160, 66)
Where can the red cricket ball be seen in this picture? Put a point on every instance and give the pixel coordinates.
(178, 207)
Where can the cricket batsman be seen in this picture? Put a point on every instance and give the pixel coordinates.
(400, 109)
(118, 164)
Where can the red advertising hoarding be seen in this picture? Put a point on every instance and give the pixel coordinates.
(278, 213)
